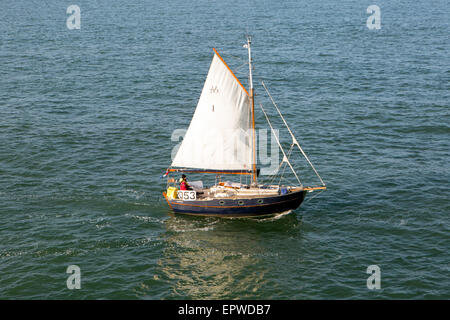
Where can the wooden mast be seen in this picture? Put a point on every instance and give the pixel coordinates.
(252, 100)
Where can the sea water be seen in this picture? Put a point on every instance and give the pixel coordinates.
(87, 113)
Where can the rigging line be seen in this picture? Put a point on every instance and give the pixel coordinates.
(273, 176)
(276, 138)
(294, 140)
(284, 168)
(283, 163)
(230, 55)
(287, 181)
(310, 198)
(238, 69)
(290, 151)
(281, 176)
(276, 173)
(288, 156)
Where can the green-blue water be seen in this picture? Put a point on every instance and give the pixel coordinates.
(86, 118)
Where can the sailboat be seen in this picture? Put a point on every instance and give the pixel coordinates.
(221, 140)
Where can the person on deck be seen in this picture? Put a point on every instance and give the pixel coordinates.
(183, 183)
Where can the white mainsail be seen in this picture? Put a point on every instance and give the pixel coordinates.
(219, 136)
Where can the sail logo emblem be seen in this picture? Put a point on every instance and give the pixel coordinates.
(214, 89)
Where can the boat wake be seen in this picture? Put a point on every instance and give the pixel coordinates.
(274, 217)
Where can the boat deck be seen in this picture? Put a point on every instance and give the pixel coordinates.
(233, 193)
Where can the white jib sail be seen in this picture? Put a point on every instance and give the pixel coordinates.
(219, 136)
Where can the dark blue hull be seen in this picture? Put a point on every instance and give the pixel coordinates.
(240, 207)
